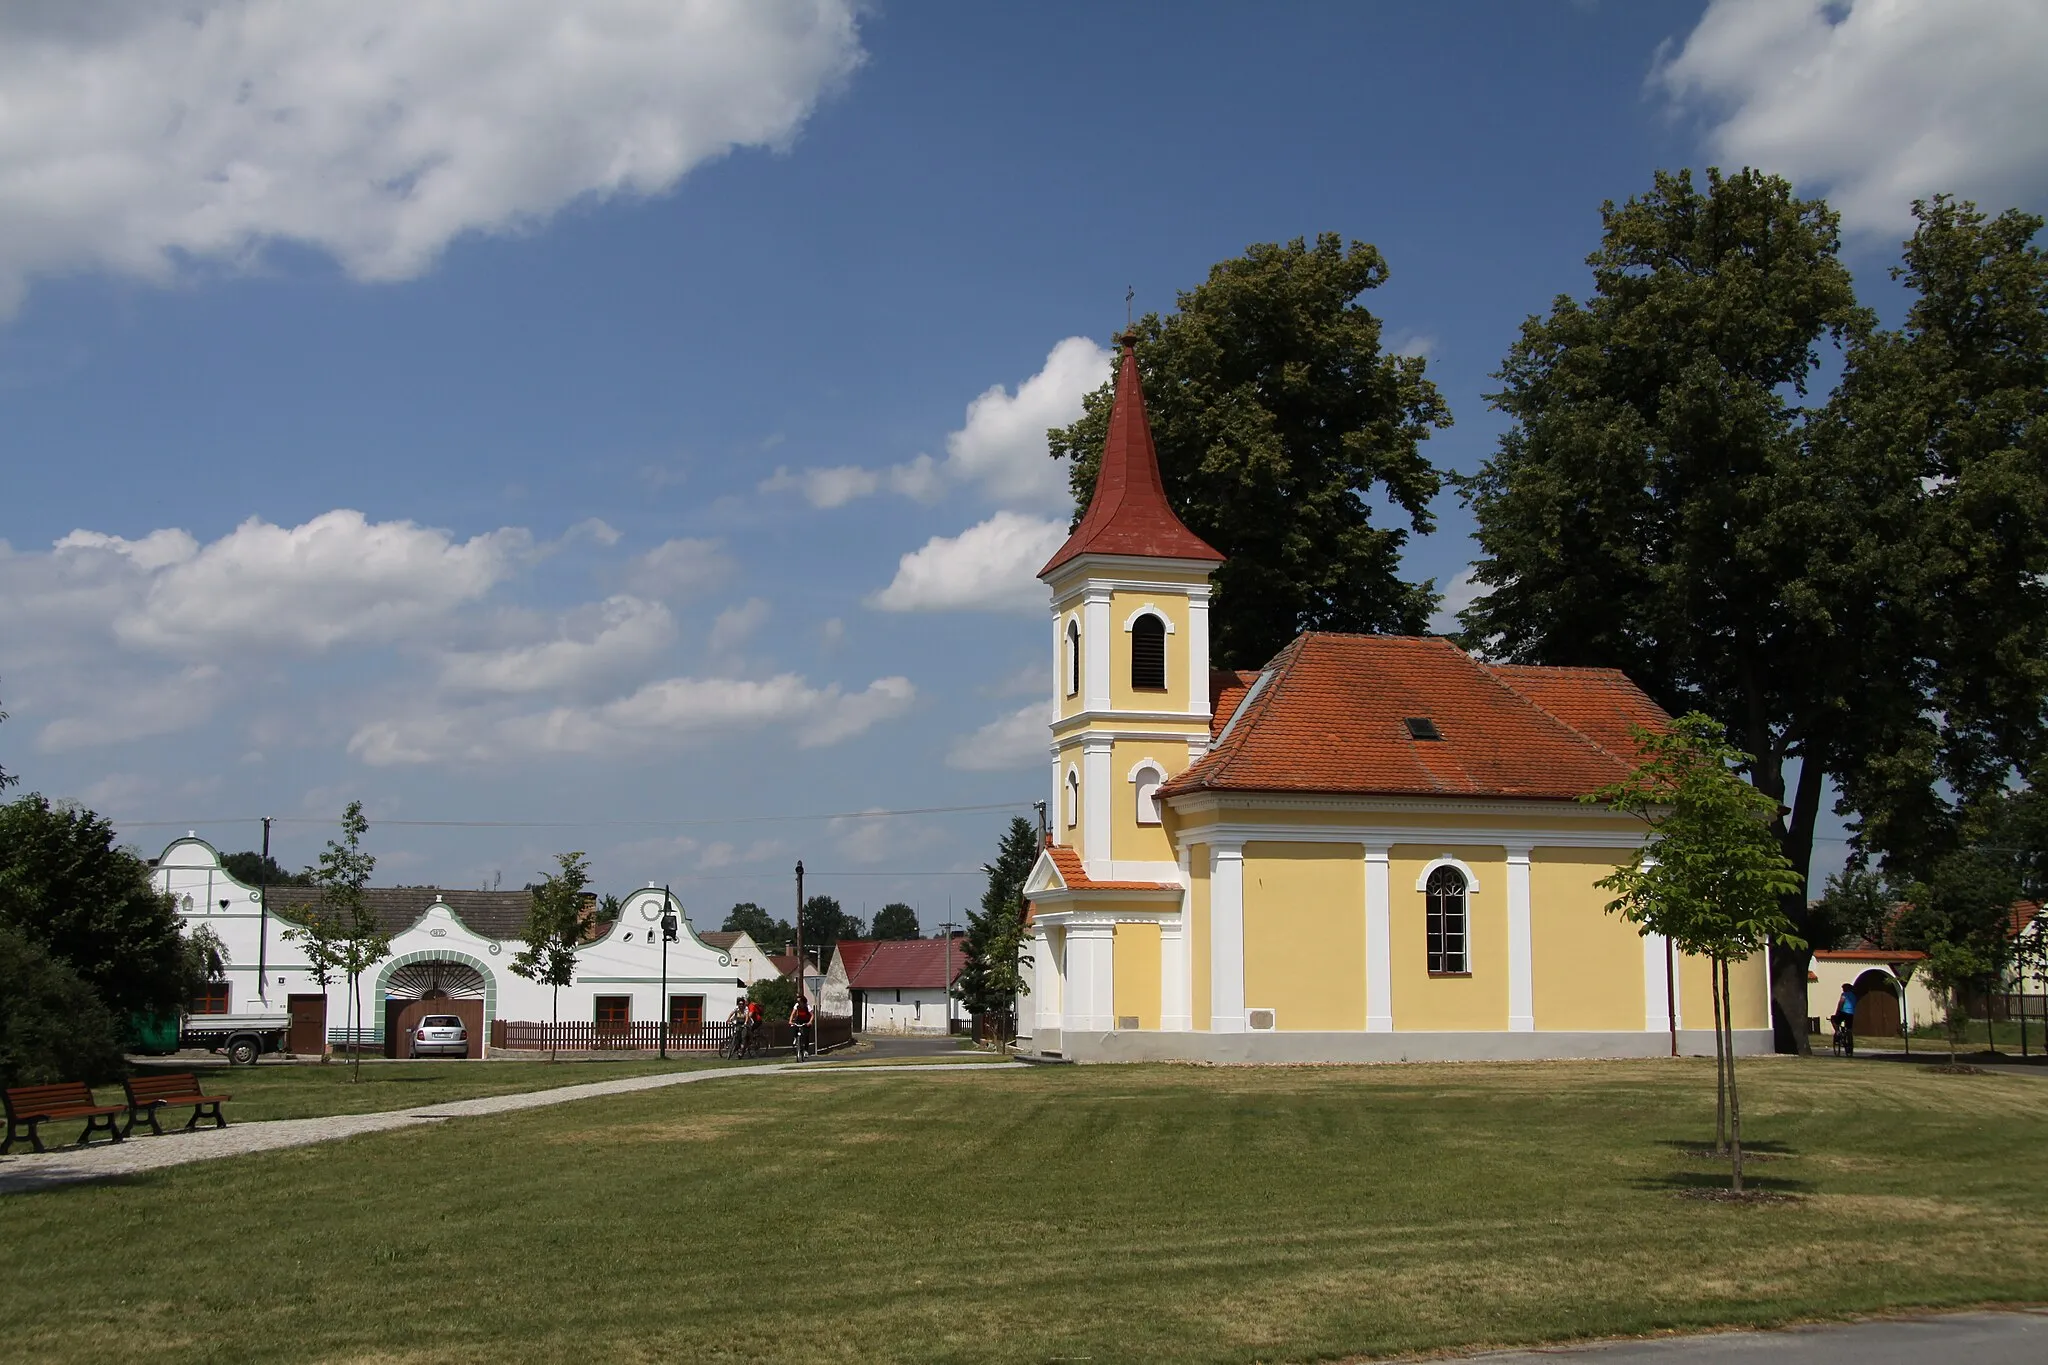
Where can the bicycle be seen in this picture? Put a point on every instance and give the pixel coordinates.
(739, 1041)
(1844, 1041)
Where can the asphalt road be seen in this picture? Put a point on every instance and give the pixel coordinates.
(2017, 1338)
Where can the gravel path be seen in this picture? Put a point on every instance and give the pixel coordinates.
(145, 1152)
(2011, 1338)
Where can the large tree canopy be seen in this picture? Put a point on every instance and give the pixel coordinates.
(1847, 589)
(1277, 414)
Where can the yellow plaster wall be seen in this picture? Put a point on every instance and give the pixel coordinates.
(1134, 972)
(1304, 934)
(1476, 1001)
(1128, 838)
(1171, 604)
(1748, 982)
(1069, 705)
(1586, 965)
(1198, 934)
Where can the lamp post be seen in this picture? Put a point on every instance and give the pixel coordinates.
(668, 936)
(799, 948)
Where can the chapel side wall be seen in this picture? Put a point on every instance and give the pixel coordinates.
(1748, 983)
(1304, 932)
(1586, 965)
(1168, 601)
(1478, 1000)
(1134, 974)
(1197, 935)
(1129, 840)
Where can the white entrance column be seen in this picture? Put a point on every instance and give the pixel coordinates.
(1091, 1004)
(1095, 811)
(1521, 969)
(1659, 991)
(1173, 976)
(1226, 938)
(1046, 978)
(1379, 941)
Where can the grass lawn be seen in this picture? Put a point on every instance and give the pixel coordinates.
(1104, 1213)
(311, 1091)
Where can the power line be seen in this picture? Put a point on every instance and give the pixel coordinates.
(582, 824)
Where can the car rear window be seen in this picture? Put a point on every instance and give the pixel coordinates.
(440, 1021)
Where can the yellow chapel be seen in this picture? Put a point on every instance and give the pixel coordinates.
(1372, 849)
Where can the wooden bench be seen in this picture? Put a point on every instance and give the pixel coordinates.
(31, 1106)
(147, 1094)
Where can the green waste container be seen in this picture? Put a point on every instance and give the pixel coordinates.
(153, 1035)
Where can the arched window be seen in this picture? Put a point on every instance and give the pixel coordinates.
(1073, 798)
(1448, 923)
(1073, 658)
(1148, 654)
(1148, 778)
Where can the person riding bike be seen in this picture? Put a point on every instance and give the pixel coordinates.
(799, 1025)
(739, 1028)
(1844, 1020)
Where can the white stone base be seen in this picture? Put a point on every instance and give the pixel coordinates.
(1279, 1046)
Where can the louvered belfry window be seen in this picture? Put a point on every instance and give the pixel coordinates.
(1148, 654)
(1445, 892)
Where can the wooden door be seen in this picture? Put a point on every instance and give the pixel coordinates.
(308, 1034)
(1877, 1014)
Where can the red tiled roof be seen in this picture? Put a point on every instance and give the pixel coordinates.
(1868, 955)
(855, 951)
(1129, 513)
(1331, 717)
(1075, 874)
(2023, 913)
(1227, 687)
(910, 962)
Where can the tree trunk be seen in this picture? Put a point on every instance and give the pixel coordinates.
(1720, 1062)
(555, 1025)
(1788, 967)
(1734, 1096)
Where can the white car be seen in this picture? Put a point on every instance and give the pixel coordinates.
(440, 1035)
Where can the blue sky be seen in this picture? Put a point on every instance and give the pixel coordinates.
(629, 416)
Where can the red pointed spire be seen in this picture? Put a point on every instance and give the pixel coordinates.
(1129, 514)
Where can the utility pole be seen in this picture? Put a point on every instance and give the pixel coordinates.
(668, 936)
(947, 929)
(799, 926)
(263, 919)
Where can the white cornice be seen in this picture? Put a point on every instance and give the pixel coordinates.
(1120, 719)
(1201, 802)
(1519, 837)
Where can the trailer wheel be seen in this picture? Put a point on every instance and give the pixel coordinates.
(243, 1050)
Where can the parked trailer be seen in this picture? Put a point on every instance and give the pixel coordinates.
(244, 1037)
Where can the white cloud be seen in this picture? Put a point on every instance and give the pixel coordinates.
(678, 568)
(140, 137)
(665, 713)
(157, 550)
(1002, 445)
(837, 485)
(1018, 740)
(1879, 102)
(832, 634)
(337, 579)
(596, 644)
(735, 625)
(876, 838)
(1420, 345)
(102, 710)
(991, 566)
(1461, 592)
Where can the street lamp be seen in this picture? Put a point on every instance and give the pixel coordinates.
(668, 936)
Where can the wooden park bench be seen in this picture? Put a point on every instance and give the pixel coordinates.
(31, 1106)
(147, 1094)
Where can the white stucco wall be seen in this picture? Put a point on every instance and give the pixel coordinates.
(918, 1010)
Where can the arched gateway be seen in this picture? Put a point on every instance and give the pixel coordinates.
(436, 981)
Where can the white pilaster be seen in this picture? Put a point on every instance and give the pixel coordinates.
(1047, 978)
(1379, 941)
(1659, 991)
(1173, 976)
(1226, 938)
(1521, 969)
(1095, 808)
(1091, 1005)
(1198, 651)
(1095, 648)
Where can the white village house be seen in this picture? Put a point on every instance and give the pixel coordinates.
(895, 985)
(451, 952)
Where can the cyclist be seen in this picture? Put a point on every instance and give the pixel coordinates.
(740, 1025)
(799, 1023)
(1844, 1020)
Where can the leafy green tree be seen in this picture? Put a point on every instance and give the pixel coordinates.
(53, 1025)
(1960, 915)
(1953, 970)
(825, 924)
(341, 935)
(895, 921)
(260, 869)
(1858, 905)
(1711, 879)
(1277, 414)
(1661, 503)
(64, 883)
(992, 977)
(560, 921)
(767, 931)
(776, 996)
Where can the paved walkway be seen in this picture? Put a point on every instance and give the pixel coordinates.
(2019, 1338)
(32, 1171)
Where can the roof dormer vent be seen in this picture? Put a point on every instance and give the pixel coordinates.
(1421, 727)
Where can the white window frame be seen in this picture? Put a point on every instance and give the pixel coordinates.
(1146, 796)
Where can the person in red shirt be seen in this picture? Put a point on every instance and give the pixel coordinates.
(800, 1023)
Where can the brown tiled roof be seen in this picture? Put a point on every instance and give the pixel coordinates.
(494, 914)
(1331, 713)
(2023, 913)
(1868, 955)
(1075, 874)
(855, 951)
(1129, 513)
(721, 939)
(910, 962)
(1227, 687)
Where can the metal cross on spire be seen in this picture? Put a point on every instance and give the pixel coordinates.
(1130, 292)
